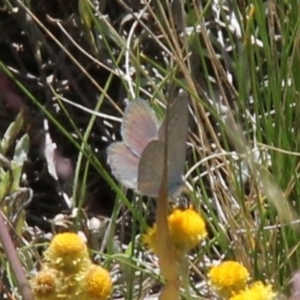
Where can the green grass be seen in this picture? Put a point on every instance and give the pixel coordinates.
(250, 220)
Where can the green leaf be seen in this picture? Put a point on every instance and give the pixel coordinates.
(5, 184)
(20, 156)
(17, 173)
(11, 133)
(21, 150)
(86, 13)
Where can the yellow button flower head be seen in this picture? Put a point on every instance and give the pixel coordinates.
(96, 284)
(44, 284)
(258, 291)
(67, 252)
(186, 228)
(228, 278)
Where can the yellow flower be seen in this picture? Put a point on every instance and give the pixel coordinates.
(149, 238)
(44, 284)
(258, 291)
(186, 228)
(96, 284)
(67, 252)
(228, 278)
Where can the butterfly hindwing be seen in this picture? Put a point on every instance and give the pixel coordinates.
(150, 168)
(124, 164)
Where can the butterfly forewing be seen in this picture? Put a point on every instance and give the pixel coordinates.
(139, 126)
(124, 164)
(151, 168)
(177, 137)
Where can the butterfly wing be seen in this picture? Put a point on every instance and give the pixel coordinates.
(124, 164)
(139, 126)
(177, 137)
(140, 134)
(150, 168)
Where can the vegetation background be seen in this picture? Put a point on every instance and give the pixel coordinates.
(67, 68)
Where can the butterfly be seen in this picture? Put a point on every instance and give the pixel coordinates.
(137, 162)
